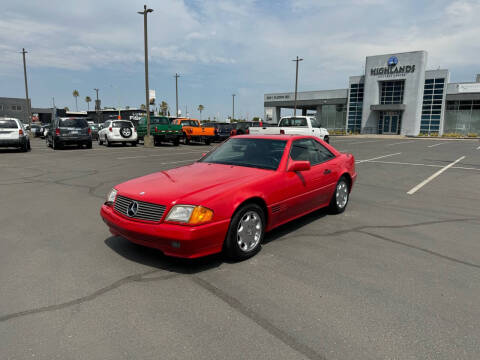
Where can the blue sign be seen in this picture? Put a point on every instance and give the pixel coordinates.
(392, 61)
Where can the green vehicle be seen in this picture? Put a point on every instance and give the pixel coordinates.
(160, 129)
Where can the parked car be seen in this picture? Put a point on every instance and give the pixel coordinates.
(13, 134)
(69, 131)
(94, 130)
(35, 130)
(194, 131)
(229, 198)
(118, 131)
(222, 130)
(161, 129)
(298, 125)
(242, 127)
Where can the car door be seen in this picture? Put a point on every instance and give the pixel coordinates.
(312, 188)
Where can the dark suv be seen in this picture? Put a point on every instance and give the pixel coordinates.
(69, 131)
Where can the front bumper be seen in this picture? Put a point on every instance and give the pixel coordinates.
(173, 240)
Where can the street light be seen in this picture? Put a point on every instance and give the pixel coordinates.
(29, 112)
(297, 60)
(147, 140)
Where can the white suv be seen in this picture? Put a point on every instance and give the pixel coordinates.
(118, 131)
(13, 134)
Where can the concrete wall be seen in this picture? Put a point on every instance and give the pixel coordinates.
(6, 110)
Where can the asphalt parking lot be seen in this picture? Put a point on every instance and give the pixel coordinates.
(397, 276)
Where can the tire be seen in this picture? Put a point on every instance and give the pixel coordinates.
(125, 132)
(24, 147)
(207, 141)
(238, 247)
(28, 146)
(186, 140)
(340, 197)
(134, 143)
(89, 145)
(54, 144)
(107, 142)
(326, 139)
(100, 142)
(176, 141)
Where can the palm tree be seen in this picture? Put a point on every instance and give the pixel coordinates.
(164, 108)
(66, 108)
(88, 99)
(76, 94)
(143, 107)
(200, 108)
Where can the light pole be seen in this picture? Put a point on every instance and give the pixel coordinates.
(176, 93)
(147, 140)
(29, 114)
(297, 60)
(97, 107)
(233, 106)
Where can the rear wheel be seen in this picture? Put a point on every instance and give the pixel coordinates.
(246, 232)
(176, 141)
(186, 140)
(89, 145)
(54, 144)
(326, 139)
(339, 200)
(100, 142)
(207, 141)
(107, 141)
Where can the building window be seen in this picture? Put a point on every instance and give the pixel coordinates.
(355, 107)
(462, 117)
(16, 108)
(432, 105)
(392, 92)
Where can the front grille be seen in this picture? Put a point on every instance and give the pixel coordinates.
(146, 211)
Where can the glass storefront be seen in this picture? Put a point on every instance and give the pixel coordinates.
(462, 117)
(355, 108)
(333, 117)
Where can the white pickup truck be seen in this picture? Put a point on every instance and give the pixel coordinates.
(298, 125)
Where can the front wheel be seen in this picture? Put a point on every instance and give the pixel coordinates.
(326, 139)
(246, 232)
(339, 200)
(186, 140)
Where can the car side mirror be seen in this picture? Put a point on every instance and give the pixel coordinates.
(298, 166)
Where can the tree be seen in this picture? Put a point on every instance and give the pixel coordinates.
(66, 108)
(76, 94)
(256, 118)
(143, 107)
(88, 99)
(200, 108)
(164, 108)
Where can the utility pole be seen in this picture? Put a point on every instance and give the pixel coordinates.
(233, 106)
(297, 60)
(97, 107)
(176, 92)
(29, 112)
(147, 140)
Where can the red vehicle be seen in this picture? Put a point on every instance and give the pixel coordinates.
(229, 198)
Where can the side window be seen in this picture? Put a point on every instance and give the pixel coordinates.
(310, 150)
(323, 153)
(315, 123)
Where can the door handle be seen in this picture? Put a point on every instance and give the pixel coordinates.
(327, 171)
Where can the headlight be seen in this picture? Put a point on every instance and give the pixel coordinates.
(190, 214)
(111, 196)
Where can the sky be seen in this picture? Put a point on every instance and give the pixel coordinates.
(220, 48)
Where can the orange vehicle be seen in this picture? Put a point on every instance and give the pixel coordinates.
(194, 131)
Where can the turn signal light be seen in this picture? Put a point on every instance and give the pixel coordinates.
(200, 215)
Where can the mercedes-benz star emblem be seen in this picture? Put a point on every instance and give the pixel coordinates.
(132, 209)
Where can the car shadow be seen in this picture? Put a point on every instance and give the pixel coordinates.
(156, 259)
(294, 225)
(10, 150)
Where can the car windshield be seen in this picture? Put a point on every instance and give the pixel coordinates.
(297, 122)
(8, 124)
(72, 122)
(257, 153)
(189, 123)
(120, 124)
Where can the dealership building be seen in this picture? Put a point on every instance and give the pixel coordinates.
(396, 95)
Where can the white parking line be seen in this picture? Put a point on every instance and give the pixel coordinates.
(426, 181)
(401, 142)
(478, 148)
(376, 158)
(437, 144)
(425, 165)
(364, 142)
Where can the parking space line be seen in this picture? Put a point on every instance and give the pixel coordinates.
(426, 165)
(478, 148)
(437, 144)
(364, 142)
(401, 142)
(439, 172)
(376, 158)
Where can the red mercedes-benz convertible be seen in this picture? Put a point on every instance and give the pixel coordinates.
(229, 198)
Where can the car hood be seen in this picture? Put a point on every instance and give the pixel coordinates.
(192, 184)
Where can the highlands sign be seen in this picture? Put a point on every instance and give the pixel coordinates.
(392, 70)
